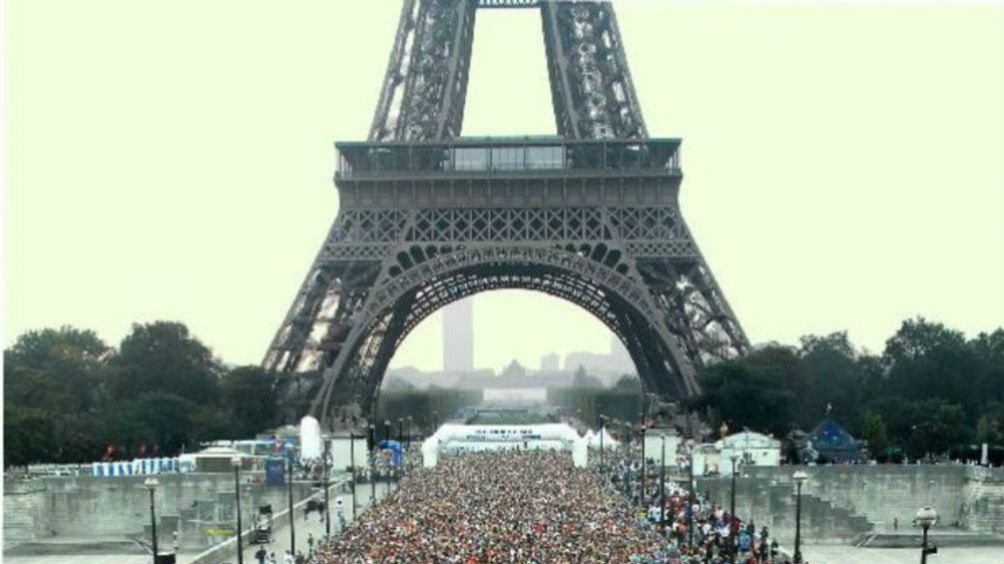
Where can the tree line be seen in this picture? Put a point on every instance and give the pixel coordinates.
(71, 398)
(930, 393)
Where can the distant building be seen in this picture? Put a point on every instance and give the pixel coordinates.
(608, 365)
(514, 370)
(753, 449)
(458, 337)
(549, 363)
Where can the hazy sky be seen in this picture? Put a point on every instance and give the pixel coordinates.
(844, 165)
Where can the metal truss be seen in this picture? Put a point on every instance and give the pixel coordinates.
(428, 218)
(403, 296)
(425, 85)
(591, 87)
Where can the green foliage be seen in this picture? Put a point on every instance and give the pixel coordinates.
(162, 356)
(874, 431)
(753, 394)
(628, 382)
(246, 395)
(588, 403)
(67, 395)
(928, 392)
(424, 405)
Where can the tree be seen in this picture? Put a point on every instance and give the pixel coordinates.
(161, 419)
(628, 382)
(163, 357)
(832, 378)
(59, 375)
(247, 396)
(745, 395)
(989, 430)
(874, 431)
(927, 360)
(29, 436)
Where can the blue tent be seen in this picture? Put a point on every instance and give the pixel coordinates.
(395, 449)
(833, 444)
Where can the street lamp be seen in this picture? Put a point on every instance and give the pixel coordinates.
(327, 500)
(386, 438)
(352, 461)
(603, 424)
(800, 477)
(690, 491)
(372, 458)
(289, 496)
(236, 463)
(926, 517)
(644, 463)
(151, 484)
(662, 486)
(732, 507)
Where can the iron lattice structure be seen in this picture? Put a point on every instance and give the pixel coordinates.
(427, 217)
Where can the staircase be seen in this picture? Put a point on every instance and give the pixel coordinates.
(983, 509)
(22, 522)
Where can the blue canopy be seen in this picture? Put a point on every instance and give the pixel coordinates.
(833, 443)
(394, 447)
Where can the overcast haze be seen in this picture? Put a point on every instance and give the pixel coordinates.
(173, 160)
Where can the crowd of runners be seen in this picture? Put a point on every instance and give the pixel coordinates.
(535, 506)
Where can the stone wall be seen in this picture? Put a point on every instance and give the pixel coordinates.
(840, 502)
(118, 507)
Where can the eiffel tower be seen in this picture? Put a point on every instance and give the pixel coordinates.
(427, 217)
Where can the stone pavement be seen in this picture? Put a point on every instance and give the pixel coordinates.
(313, 525)
(836, 554)
(280, 536)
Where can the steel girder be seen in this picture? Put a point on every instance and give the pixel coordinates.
(425, 86)
(629, 260)
(402, 297)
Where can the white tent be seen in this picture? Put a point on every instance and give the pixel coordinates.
(594, 439)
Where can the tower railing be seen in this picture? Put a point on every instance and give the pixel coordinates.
(508, 156)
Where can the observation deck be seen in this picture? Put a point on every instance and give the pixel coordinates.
(519, 157)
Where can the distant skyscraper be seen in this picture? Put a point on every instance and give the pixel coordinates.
(549, 363)
(458, 337)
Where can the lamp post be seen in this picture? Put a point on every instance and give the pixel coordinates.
(407, 438)
(151, 485)
(926, 517)
(352, 462)
(372, 461)
(732, 508)
(327, 500)
(662, 486)
(400, 430)
(236, 463)
(289, 496)
(644, 463)
(386, 437)
(800, 477)
(690, 491)
(603, 423)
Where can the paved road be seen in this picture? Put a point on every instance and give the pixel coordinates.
(280, 543)
(313, 525)
(950, 555)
